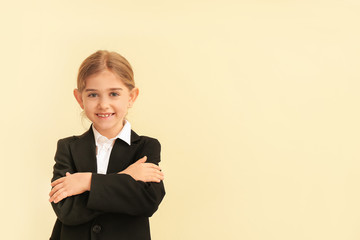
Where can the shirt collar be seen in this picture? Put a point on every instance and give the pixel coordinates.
(124, 134)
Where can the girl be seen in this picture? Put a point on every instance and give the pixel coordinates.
(106, 183)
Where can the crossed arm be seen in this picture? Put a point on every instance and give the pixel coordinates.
(80, 197)
(77, 183)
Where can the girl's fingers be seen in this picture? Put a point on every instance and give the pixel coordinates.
(60, 197)
(56, 182)
(159, 176)
(155, 179)
(54, 196)
(55, 189)
(142, 160)
(155, 172)
(151, 165)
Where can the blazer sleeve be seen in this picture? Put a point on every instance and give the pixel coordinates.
(71, 210)
(121, 193)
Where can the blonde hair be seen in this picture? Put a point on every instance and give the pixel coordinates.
(105, 60)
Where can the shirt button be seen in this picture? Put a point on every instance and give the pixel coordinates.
(96, 228)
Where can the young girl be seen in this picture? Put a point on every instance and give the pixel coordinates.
(106, 183)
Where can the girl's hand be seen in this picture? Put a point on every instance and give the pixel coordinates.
(71, 184)
(146, 172)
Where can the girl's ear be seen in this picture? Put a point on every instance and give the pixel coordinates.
(134, 93)
(78, 97)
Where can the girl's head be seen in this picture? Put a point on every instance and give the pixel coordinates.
(105, 60)
(105, 91)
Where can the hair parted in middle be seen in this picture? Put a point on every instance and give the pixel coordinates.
(105, 60)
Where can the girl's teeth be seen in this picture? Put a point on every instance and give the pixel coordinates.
(102, 115)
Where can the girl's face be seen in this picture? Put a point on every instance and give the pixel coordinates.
(105, 101)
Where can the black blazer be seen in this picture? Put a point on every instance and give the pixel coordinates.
(117, 206)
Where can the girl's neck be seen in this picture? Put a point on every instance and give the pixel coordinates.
(112, 132)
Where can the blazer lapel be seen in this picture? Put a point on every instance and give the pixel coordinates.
(122, 155)
(84, 152)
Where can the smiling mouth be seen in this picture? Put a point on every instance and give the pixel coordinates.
(104, 115)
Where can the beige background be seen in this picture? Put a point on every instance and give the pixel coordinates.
(256, 104)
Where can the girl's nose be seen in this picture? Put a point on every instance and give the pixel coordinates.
(103, 103)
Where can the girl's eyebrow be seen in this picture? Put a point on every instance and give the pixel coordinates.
(94, 90)
(113, 89)
(90, 90)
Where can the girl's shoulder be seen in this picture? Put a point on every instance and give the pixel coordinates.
(73, 138)
(142, 138)
(66, 141)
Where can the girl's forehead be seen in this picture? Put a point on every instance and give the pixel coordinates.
(104, 79)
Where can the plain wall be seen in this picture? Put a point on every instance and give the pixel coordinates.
(256, 104)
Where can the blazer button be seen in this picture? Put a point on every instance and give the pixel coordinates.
(96, 228)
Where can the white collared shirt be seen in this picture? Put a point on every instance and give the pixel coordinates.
(105, 145)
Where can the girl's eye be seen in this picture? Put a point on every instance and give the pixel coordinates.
(114, 94)
(92, 95)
